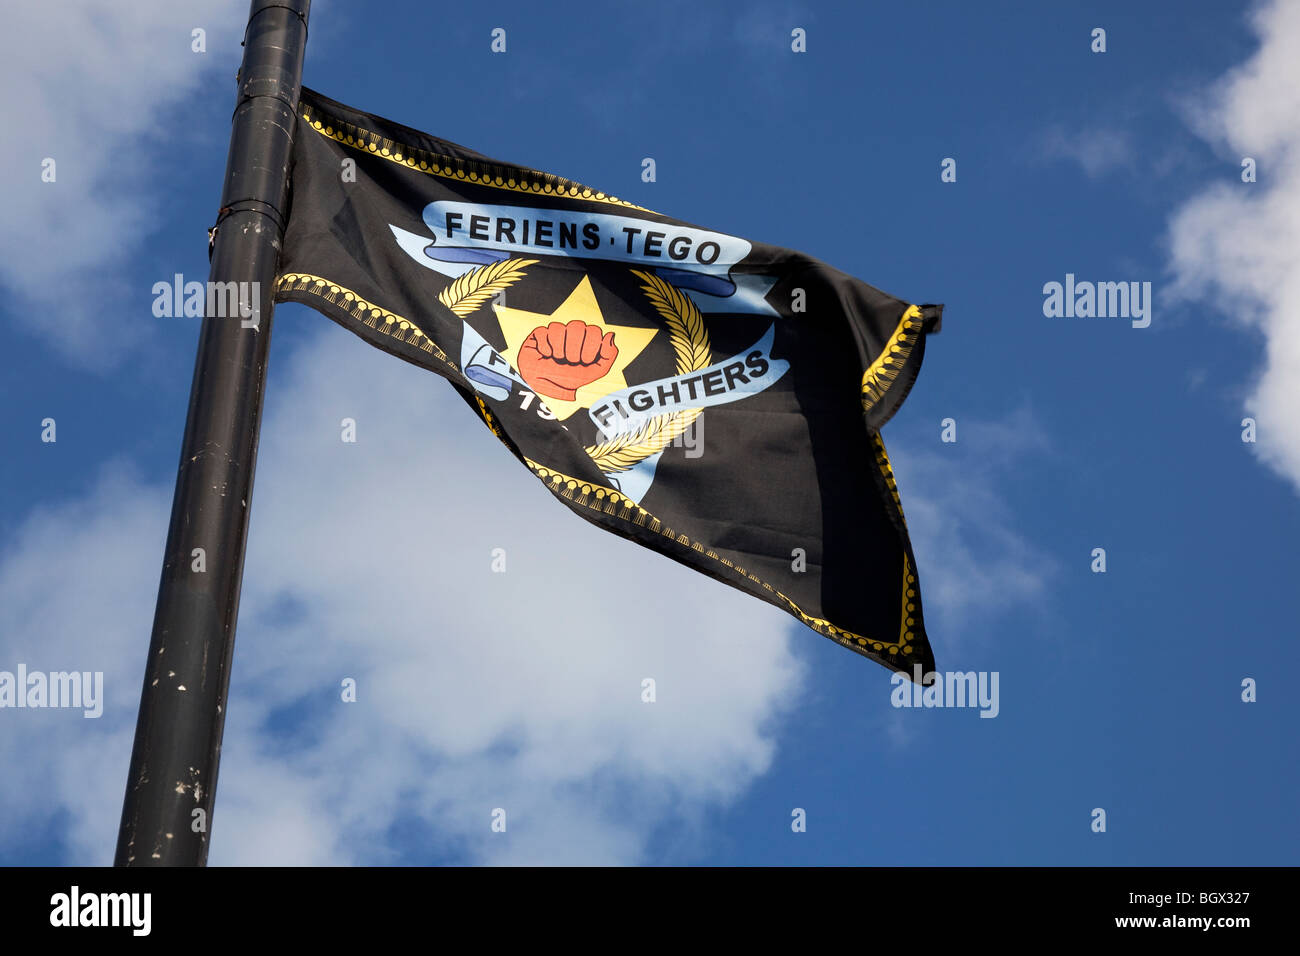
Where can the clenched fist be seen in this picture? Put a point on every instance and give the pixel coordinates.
(559, 359)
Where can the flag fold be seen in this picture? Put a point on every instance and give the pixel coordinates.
(716, 399)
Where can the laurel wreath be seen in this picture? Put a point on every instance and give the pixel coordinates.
(690, 340)
(475, 287)
(686, 332)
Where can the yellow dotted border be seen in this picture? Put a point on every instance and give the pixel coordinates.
(611, 502)
(488, 418)
(881, 373)
(402, 329)
(494, 175)
(887, 469)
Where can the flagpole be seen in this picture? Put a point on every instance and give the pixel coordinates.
(167, 813)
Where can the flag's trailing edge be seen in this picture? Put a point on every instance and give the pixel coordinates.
(715, 399)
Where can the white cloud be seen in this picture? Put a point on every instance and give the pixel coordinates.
(87, 84)
(1097, 150)
(475, 690)
(974, 562)
(371, 561)
(77, 588)
(1236, 244)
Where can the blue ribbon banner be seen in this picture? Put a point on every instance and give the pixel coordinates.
(745, 373)
(468, 235)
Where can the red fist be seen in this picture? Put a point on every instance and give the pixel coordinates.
(559, 359)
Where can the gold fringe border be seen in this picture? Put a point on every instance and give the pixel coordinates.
(378, 318)
(611, 502)
(887, 469)
(881, 373)
(497, 176)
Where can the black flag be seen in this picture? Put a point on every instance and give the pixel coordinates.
(715, 399)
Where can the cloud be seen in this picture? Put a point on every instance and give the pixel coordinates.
(1237, 245)
(475, 690)
(1098, 150)
(90, 82)
(975, 564)
(77, 588)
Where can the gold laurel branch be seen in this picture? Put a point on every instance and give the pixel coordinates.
(690, 341)
(471, 290)
(628, 451)
(685, 324)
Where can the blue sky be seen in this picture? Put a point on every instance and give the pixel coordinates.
(1119, 690)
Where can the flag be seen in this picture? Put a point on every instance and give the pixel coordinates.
(715, 399)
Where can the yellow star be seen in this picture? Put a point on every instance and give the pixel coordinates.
(518, 324)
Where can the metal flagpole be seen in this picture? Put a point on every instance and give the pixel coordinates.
(167, 813)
